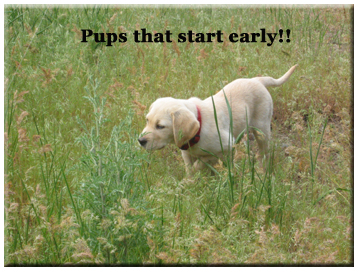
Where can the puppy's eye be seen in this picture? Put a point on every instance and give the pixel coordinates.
(159, 127)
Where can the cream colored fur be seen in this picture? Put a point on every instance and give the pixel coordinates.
(174, 121)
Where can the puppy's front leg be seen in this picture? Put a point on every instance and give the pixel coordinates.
(193, 165)
(189, 162)
(203, 162)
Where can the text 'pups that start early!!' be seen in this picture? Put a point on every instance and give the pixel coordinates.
(143, 36)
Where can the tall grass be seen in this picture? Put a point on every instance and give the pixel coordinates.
(312, 160)
(112, 194)
(78, 188)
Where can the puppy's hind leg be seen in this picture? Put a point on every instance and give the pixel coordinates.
(263, 140)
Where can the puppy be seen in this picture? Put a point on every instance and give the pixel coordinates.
(190, 124)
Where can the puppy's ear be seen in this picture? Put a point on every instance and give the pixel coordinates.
(185, 126)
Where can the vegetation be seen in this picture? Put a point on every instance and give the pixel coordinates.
(78, 188)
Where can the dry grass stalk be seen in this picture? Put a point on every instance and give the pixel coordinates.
(45, 149)
(22, 135)
(176, 48)
(20, 118)
(77, 31)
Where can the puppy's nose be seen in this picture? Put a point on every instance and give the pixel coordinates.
(142, 141)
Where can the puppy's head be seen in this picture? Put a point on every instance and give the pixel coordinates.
(168, 121)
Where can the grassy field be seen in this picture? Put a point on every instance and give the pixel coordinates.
(78, 188)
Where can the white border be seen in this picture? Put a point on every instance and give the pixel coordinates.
(187, 2)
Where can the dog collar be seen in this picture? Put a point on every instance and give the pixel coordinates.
(196, 138)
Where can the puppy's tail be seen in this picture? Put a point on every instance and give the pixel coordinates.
(269, 81)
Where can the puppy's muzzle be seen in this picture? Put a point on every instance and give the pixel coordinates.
(142, 141)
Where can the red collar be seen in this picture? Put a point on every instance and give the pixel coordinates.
(196, 138)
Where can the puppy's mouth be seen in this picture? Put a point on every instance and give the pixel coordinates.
(150, 151)
(154, 149)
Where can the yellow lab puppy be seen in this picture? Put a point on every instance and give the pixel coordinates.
(190, 124)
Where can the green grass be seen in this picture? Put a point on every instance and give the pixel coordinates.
(78, 188)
